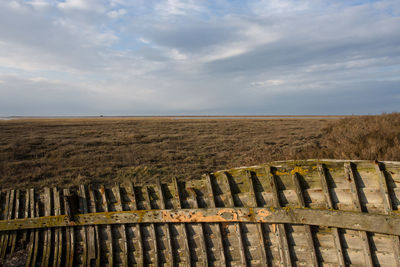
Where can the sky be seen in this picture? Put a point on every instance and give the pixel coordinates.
(237, 57)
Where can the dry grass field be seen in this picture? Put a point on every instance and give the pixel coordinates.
(66, 152)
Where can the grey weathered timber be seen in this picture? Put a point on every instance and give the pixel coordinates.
(169, 259)
(280, 233)
(304, 213)
(13, 239)
(351, 178)
(388, 207)
(109, 241)
(70, 233)
(329, 204)
(219, 249)
(93, 209)
(230, 203)
(307, 228)
(48, 232)
(138, 254)
(185, 253)
(260, 234)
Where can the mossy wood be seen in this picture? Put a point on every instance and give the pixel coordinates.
(293, 213)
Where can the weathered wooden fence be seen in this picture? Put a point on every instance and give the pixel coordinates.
(308, 213)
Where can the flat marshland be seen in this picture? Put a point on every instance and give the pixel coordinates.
(67, 152)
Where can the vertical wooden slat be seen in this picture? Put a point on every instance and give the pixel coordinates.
(388, 207)
(351, 178)
(119, 207)
(170, 258)
(4, 217)
(280, 231)
(47, 233)
(93, 209)
(328, 199)
(231, 203)
(259, 228)
(13, 239)
(109, 232)
(152, 227)
(219, 236)
(307, 228)
(10, 216)
(32, 232)
(58, 231)
(37, 231)
(69, 234)
(4, 237)
(139, 254)
(83, 209)
(184, 232)
(26, 215)
(200, 228)
(89, 231)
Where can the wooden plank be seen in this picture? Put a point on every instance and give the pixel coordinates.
(83, 208)
(37, 232)
(93, 209)
(70, 232)
(388, 207)
(109, 242)
(58, 246)
(118, 206)
(133, 205)
(194, 232)
(184, 233)
(3, 217)
(4, 237)
(199, 227)
(89, 230)
(211, 196)
(153, 233)
(335, 231)
(261, 235)
(13, 239)
(31, 207)
(351, 178)
(26, 215)
(56, 231)
(47, 233)
(67, 232)
(169, 257)
(307, 228)
(370, 222)
(231, 203)
(280, 231)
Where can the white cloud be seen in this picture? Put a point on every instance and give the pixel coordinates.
(114, 14)
(74, 4)
(15, 4)
(267, 83)
(39, 3)
(178, 7)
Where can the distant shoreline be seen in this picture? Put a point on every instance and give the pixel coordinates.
(180, 117)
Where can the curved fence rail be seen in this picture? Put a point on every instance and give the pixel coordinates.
(307, 213)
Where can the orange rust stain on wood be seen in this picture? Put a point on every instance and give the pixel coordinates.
(224, 215)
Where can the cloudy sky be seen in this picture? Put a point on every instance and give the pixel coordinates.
(144, 57)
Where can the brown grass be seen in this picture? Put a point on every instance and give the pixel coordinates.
(364, 137)
(65, 152)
